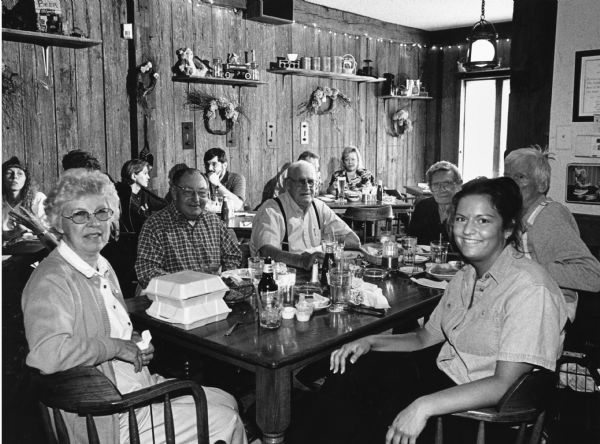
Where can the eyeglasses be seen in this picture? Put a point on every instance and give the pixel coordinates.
(188, 192)
(83, 217)
(303, 182)
(442, 186)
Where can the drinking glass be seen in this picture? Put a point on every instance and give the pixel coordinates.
(409, 247)
(386, 236)
(439, 252)
(269, 309)
(389, 256)
(328, 241)
(256, 264)
(341, 187)
(340, 284)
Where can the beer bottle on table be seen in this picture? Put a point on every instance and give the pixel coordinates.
(269, 316)
(328, 264)
(380, 191)
(225, 212)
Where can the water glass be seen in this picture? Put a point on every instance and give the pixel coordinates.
(340, 284)
(286, 282)
(269, 309)
(409, 247)
(256, 264)
(386, 236)
(341, 186)
(439, 252)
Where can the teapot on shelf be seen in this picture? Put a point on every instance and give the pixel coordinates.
(348, 64)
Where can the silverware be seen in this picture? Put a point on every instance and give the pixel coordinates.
(233, 327)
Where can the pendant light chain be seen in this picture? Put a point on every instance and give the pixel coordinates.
(482, 9)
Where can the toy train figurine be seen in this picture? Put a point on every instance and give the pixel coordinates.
(236, 71)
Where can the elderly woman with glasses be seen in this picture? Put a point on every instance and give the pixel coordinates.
(74, 315)
(428, 222)
(352, 169)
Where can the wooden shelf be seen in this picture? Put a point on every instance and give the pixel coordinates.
(219, 81)
(406, 97)
(46, 39)
(326, 75)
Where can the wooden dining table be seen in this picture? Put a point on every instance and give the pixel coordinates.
(275, 355)
(396, 204)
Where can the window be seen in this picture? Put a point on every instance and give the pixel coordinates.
(484, 114)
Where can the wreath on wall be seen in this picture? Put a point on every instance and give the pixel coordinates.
(213, 107)
(324, 101)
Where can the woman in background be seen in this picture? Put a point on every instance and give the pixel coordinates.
(352, 169)
(74, 314)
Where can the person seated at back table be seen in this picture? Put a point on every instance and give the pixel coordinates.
(232, 186)
(500, 317)
(551, 235)
(310, 157)
(289, 227)
(428, 221)
(352, 169)
(183, 235)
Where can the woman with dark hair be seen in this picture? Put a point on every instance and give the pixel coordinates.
(137, 202)
(500, 317)
(22, 203)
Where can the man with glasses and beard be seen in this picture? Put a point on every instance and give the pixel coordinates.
(183, 235)
(289, 227)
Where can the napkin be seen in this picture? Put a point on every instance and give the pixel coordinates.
(237, 276)
(430, 283)
(373, 296)
(371, 250)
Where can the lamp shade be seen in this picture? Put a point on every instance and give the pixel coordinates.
(482, 53)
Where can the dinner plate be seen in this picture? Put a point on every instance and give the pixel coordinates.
(420, 259)
(442, 271)
(423, 249)
(320, 302)
(326, 198)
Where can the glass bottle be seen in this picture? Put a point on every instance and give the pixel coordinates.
(269, 305)
(225, 212)
(328, 264)
(380, 191)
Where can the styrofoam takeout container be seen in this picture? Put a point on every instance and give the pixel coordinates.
(185, 284)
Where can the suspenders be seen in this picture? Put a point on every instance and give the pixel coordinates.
(285, 244)
(529, 251)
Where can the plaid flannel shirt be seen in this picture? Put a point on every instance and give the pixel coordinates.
(169, 243)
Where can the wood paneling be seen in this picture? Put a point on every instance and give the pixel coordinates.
(84, 103)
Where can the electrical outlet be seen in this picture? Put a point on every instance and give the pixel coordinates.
(127, 31)
(271, 133)
(187, 135)
(304, 133)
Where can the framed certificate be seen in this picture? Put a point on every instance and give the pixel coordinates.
(586, 97)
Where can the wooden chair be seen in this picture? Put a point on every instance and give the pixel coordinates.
(86, 391)
(369, 216)
(525, 402)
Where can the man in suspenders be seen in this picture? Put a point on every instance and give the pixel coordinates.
(289, 227)
(551, 236)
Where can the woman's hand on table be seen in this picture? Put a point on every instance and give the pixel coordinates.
(352, 351)
(407, 425)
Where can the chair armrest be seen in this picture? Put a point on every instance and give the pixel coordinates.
(143, 397)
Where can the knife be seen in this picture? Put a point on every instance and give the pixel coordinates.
(363, 309)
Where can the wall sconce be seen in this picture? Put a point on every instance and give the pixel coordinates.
(482, 51)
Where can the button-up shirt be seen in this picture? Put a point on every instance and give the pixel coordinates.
(268, 227)
(170, 243)
(515, 312)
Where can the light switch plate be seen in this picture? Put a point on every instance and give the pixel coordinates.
(127, 31)
(187, 136)
(563, 137)
(271, 132)
(304, 133)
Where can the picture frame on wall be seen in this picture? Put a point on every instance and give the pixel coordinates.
(586, 93)
(583, 183)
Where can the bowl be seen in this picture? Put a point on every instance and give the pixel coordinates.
(292, 57)
(373, 274)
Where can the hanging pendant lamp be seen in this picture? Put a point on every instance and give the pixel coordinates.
(482, 51)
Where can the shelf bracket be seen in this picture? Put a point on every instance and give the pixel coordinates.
(45, 58)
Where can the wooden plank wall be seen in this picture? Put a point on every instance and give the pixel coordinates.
(84, 102)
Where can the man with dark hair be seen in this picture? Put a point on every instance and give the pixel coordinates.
(184, 236)
(80, 159)
(231, 186)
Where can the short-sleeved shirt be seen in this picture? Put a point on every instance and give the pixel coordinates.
(515, 312)
(268, 227)
(236, 183)
(170, 243)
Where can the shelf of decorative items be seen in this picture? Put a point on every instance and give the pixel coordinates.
(47, 40)
(219, 81)
(406, 97)
(326, 75)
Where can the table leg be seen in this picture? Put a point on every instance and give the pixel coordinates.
(273, 403)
